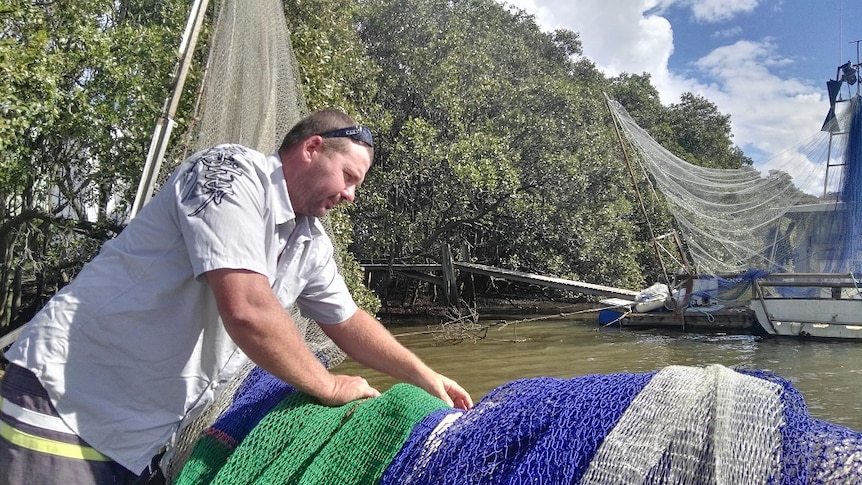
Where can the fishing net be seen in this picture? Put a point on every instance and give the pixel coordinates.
(801, 216)
(677, 425)
(252, 93)
(301, 441)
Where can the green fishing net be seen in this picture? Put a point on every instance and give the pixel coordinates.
(301, 441)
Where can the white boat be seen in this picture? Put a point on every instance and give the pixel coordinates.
(827, 305)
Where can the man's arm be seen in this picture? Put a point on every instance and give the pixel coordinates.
(263, 329)
(365, 339)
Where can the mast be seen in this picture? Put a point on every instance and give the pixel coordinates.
(165, 124)
(846, 73)
(857, 66)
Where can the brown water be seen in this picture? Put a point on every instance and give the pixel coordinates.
(829, 374)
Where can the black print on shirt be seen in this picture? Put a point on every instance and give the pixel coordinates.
(210, 178)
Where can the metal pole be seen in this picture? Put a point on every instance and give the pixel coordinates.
(858, 66)
(165, 124)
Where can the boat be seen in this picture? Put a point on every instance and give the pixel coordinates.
(825, 305)
(694, 304)
(832, 307)
(785, 252)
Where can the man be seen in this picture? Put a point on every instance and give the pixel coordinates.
(199, 281)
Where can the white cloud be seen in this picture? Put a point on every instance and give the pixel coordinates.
(719, 10)
(768, 112)
(735, 31)
(617, 39)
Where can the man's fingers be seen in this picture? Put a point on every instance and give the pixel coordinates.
(350, 388)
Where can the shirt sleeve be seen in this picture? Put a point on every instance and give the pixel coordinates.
(220, 205)
(326, 298)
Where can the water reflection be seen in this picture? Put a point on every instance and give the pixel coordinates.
(827, 373)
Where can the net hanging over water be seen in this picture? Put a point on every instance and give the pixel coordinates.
(677, 425)
(802, 218)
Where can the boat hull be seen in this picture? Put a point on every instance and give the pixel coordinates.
(810, 317)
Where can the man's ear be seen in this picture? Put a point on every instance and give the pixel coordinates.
(311, 145)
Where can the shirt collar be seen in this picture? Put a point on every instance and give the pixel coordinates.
(281, 200)
(282, 207)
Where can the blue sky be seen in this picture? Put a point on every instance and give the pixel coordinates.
(763, 62)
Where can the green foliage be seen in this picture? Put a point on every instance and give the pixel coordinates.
(341, 230)
(498, 140)
(335, 74)
(641, 99)
(81, 86)
(703, 133)
(490, 134)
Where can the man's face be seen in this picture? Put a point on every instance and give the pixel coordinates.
(331, 178)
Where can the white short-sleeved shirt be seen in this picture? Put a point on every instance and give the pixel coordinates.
(135, 342)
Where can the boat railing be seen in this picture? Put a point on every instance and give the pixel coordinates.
(832, 285)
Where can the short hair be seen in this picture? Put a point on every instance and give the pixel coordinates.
(317, 123)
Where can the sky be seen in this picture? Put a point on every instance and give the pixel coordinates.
(763, 62)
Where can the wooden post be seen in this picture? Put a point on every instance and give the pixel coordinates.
(467, 279)
(450, 283)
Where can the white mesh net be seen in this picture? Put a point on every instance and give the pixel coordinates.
(794, 218)
(251, 93)
(694, 425)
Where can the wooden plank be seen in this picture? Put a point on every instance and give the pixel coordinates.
(812, 280)
(450, 284)
(810, 284)
(418, 275)
(548, 281)
(401, 267)
(617, 302)
(828, 276)
(9, 338)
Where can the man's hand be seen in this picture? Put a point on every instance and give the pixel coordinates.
(262, 328)
(448, 390)
(364, 338)
(348, 388)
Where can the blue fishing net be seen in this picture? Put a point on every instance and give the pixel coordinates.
(813, 450)
(728, 289)
(542, 430)
(848, 255)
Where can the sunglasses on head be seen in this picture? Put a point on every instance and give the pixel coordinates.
(358, 133)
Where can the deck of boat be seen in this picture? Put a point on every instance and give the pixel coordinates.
(737, 318)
